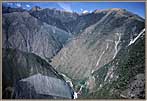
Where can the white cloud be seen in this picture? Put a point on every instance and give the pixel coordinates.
(10, 4)
(65, 6)
(85, 11)
(18, 5)
(28, 6)
(81, 9)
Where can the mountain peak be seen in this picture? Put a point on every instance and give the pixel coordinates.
(117, 9)
(36, 8)
(107, 10)
(85, 12)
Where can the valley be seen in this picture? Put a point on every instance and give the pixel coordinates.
(55, 54)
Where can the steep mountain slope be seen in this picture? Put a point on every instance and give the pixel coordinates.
(24, 32)
(53, 17)
(98, 44)
(102, 53)
(107, 60)
(26, 75)
(123, 77)
(71, 22)
(83, 21)
(10, 9)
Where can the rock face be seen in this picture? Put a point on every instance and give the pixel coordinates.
(24, 32)
(102, 53)
(98, 44)
(50, 88)
(70, 22)
(10, 10)
(124, 76)
(26, 75)
(54, 17)
(87, 57)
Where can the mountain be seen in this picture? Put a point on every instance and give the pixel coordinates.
(97, 46)
(24, 32)
(124, 76)
(54, 17)
(26, 75)
(102, 53)
(71, 22)
(10, 9)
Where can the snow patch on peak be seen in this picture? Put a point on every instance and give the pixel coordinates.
(85, 12)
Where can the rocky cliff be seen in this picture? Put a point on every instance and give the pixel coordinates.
(10, 9)
(102, 53)
(24, 32)
(26, 76)
(124, 76)
(99, 45)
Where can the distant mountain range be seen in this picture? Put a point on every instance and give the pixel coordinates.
(102, 53)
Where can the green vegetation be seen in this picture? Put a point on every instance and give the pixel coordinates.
(129, 62)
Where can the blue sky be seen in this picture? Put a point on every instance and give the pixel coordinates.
(79, 7)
